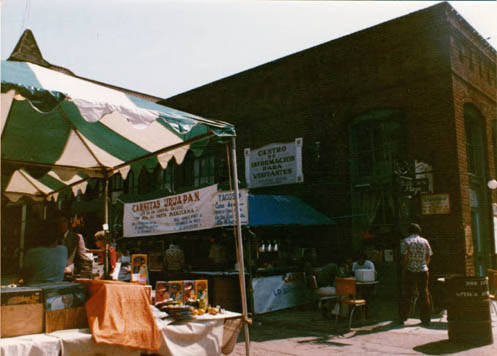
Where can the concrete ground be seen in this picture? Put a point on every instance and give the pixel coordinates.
(304, 331)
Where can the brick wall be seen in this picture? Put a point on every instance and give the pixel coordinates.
(409, 63)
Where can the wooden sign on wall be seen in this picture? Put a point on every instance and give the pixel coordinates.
(435, 204)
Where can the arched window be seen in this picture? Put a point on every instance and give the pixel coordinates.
(117, 183)
(204, 172)
(129, 183)
(168, 177)
(378, 142)
(476, 154)
(156, 179)
(475, 142)
(144, 181)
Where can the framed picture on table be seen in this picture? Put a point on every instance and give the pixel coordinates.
(139, 268)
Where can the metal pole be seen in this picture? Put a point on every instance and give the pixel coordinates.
(241, 270)
(23, 233)
(106, 229)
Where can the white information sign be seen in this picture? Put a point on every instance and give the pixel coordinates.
(274, 164)
(279, 292)
(195, 210)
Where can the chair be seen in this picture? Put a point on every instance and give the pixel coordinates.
(492, 288)
(346, 289)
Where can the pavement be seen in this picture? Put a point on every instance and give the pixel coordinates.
(305, 331)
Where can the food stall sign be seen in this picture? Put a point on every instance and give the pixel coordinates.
(274, 164)
(435, 204)
(199, 209)
(225, 208)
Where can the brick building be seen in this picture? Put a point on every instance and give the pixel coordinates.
(394, 119)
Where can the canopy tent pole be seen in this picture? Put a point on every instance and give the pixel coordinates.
(241, 269)
(23, 233)
(106, 229)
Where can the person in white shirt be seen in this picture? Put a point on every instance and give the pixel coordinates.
(362, 263)
(415, 252)
(366, 290)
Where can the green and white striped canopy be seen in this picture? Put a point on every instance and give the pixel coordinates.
(59, 130)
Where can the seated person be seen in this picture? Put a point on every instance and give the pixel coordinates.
(46, 262)
(345, 268)
(324, 277)
(364, 291)
(362, 263)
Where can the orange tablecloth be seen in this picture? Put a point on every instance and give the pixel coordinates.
(119, 314)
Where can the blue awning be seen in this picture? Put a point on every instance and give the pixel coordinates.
(270, 210)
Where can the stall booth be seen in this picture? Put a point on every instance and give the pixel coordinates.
(200, 224)
(276, 231)
(59, 131)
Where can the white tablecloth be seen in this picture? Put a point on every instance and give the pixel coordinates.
(79, 342)
(30, 345)
(204, 336)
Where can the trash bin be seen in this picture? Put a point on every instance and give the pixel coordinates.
(468, 310)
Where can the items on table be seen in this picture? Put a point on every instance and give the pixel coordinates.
(193, 292)
(176, 291)
(201, 292)
(189, 296)
(139, 269)
(161, 291)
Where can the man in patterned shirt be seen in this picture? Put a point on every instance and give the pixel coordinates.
(415, 252)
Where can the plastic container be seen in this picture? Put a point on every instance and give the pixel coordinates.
(364, 275)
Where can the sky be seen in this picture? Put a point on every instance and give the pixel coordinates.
(166, 47)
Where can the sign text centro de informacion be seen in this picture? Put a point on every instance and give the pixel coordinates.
(274, 164)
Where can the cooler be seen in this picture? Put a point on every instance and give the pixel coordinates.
(64, 304)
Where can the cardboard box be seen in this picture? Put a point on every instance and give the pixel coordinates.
(21, 311)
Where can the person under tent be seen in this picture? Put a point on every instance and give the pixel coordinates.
(46, 262)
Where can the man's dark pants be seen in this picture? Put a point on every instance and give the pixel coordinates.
(412, 281)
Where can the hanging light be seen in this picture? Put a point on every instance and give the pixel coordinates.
(492, 184)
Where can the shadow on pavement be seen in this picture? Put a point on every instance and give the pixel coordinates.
(324, 341)
(443, 347)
